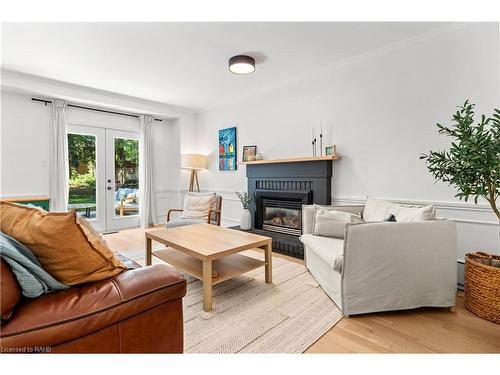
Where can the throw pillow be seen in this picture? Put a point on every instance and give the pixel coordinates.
(331, 223)
(66, 245)
(130, 198)
(197, 205)
(377, 209)
(30, 275)
(380, 210)
(409, 214)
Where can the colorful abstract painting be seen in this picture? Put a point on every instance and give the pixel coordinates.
(227, 149)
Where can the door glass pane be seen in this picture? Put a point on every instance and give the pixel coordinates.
(126, 177)
(82, 176)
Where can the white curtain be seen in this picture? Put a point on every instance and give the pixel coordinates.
(147, 209)
(59, 174)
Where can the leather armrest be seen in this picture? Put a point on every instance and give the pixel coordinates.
(62, 316)
(11, 291)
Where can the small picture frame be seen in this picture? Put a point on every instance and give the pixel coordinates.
(249, 153)
(329, 150)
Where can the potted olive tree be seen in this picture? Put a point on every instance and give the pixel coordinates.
(472, 166)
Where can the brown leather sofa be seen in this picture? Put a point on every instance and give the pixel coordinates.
(136, 311)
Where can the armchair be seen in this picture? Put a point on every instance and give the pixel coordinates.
(213, 217)
(382, 266)
(121, 204)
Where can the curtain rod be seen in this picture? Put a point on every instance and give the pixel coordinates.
(92, 109)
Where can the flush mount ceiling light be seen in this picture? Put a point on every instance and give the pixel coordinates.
(241, 64)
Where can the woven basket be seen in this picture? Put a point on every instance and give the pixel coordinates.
(482, 285)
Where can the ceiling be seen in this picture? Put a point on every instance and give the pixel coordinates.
(185, 64)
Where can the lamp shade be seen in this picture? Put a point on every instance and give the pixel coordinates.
(193, 161)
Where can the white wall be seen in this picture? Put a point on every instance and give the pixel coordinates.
(24, 146)
(381, 110)
(25, 129)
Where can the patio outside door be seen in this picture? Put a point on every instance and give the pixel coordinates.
(104, 176)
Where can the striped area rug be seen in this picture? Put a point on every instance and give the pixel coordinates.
(250, 316)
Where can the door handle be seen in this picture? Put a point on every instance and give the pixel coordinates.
(109, 187)
(109, 181)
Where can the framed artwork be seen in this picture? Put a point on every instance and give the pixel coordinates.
(329, 150)
(227, 149)
(249, 153)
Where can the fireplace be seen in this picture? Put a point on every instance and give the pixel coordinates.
(280, 212)
(280, 189)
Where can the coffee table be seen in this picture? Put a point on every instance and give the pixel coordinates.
(210, 253)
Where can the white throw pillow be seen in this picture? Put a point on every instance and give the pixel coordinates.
(331, 223)
(380, 210)
(409, 214)
(377, 210)
(197, 205)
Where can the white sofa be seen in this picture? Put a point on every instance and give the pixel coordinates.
(381, 266)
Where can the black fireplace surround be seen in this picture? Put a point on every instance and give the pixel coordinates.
(280, 190)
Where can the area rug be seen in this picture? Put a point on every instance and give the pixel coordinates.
(250, 316)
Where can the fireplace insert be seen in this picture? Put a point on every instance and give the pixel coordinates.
(280, 211)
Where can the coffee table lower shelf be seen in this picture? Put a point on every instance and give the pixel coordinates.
(226, 267)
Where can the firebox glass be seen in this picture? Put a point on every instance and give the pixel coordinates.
(283, 217)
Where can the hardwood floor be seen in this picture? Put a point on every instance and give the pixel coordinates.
(423, 330)
(428, 330)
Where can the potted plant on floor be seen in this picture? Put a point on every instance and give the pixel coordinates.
(472, 166)
(246, 218)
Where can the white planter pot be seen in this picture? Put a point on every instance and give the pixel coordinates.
(245, 220)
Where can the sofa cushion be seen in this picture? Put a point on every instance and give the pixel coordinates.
(329, 249)
(126, 205)
(66, 245)
(380, 210)
(197, 205)
(125, 192)
(331, 223)
(179, 222)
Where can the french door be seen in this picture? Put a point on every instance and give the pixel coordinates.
(104, 176)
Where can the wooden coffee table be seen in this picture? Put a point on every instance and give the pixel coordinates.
(201, 249)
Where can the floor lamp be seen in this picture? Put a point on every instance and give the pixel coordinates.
(193, 162)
